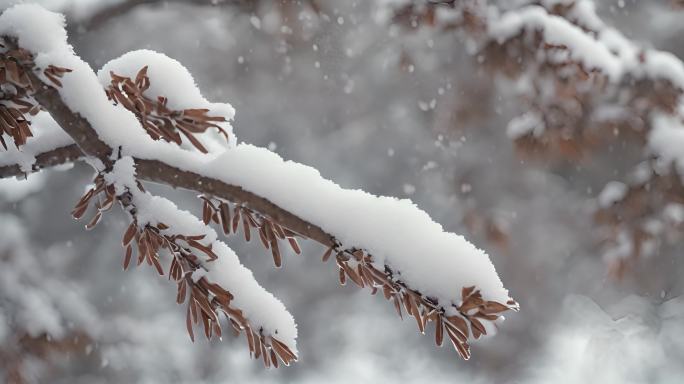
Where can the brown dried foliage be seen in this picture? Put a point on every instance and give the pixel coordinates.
(574, 128)
(205, 300)
(677, 4)
(16, 88)
(159, 121)
(15, 103)
(269, 231)
(486, 225)
(460, 322)
(21, 348)
(104, 193)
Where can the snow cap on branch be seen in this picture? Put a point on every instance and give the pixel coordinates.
(169, 79)
(395, 232)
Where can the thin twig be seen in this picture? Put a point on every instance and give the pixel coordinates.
(51, 158)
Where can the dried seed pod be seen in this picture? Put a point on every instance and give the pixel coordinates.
(127, 257)
(294, 245)
(129, 234)
(225, 217)
(327, 254)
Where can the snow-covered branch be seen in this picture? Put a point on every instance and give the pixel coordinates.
(585, 85)
(579, 73)
(128, 120)
(47, 159)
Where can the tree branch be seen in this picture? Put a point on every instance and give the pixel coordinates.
(87, 140)
(110, 12)
(460, 318)
(160, 172)
(54, 157)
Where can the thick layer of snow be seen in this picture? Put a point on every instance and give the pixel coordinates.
(610, 52)
(557, 30)
(169, 78)
(396, 232)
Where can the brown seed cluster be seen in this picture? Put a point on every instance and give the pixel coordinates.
(159, 121)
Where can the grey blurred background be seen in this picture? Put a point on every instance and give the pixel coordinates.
(405, 115)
